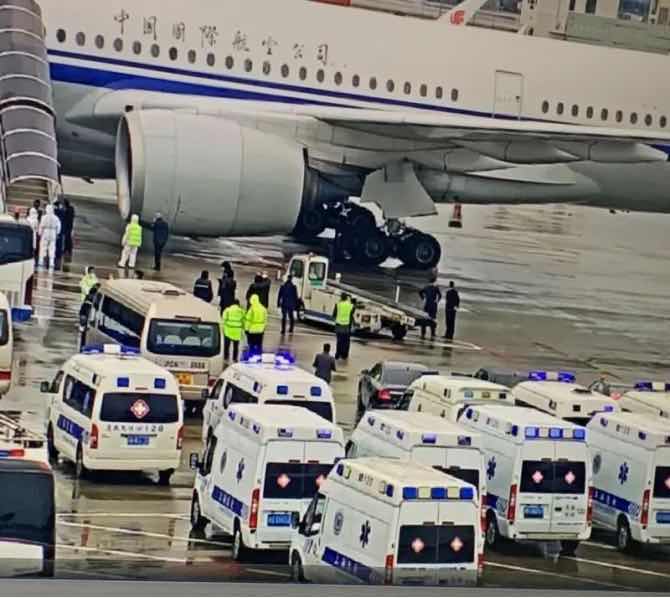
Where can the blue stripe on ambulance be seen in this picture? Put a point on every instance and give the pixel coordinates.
(229, 502)
(346, 564)
(616, 502)
(69, 427)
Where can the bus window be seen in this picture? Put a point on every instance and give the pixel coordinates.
(172, 337)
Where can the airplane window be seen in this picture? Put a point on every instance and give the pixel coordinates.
(303, 73)
(230, 62)
(211, 60)
(648, 120)
(338, 78)
(619, 116)
(390, 85)
(454, 95)
(575, 110)
(137, 47)
(407, 88)
(81, 38)
(663, 121)
(155, 50)
(192, 56)
(118, 44)
(545, 106)
(99, 42)
(320, 75)
(267, 67)
(248, 65)
(439, 93)
(633, 118)
(285, 71)
(604, 114)
(589, 112)
(559, 108)
(61, 36)
(423, 90)
(373, 83)
(173, 52)
(355, 80)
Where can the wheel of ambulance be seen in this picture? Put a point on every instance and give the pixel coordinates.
(80, 470)
(164, 477)
(624, 541)
(240, 551)
(398, 331)
(198, 520)
(492, 531)
(297, 569)
(51, 447)
(569, 547)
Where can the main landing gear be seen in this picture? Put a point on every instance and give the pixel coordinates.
(360, 240)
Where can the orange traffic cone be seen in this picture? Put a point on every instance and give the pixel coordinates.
(456, 217)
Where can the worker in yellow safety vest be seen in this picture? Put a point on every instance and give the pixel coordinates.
(255, 322)
(131, 242)
(232, 324)
(88, 281)
(344, 317)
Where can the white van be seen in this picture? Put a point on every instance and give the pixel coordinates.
(538, 475)
(168, 325)
(652, 398)
(556, 393)
(259, 472)
(631, 475)
(379, 521)
(6, 345)
(448, 396)
(421, 437)
(271, 379)
(110, 409)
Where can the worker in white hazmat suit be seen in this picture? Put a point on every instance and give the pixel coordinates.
(49, 229)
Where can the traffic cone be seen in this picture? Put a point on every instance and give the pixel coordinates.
(456, 217)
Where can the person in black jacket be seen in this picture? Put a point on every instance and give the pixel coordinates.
(431, 296)
(203, 287)
(255, 288)
(227, 286)
(453, 303)
(68, 227)
(287, 301)
(161, 234)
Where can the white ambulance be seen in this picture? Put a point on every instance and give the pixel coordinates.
(538, 474)
(379, 521)
(110, 409)
(557, 394)
(447, 396)
(652, 398)
(259, 472)
(270, 379)
(631, 474)
(421, 437)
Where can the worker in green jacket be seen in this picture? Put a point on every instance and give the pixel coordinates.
(131, 242)
(255, 322)
(232, 324)
(344, 317)
(88, 281)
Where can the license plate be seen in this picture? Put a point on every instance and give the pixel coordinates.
(184, 379)
(533, 511)
(279, 519)
(663, 517)
(135, 440)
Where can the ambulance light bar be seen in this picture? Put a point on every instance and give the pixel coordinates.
(279, 359)
(12, 454)
(110, 349)
(324, 434)
(437, 493)
(646, 386)
(159, 383)
(542, 376)
(535, 432)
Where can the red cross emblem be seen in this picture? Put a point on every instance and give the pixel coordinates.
(570, 477)
(456, 544)
(320, 480)
(457, 17)
(537, 477)
(283, 480)
(417, 545)
(140, 409)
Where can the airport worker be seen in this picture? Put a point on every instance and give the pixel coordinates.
(255, 321)
(227, 287)
(131, 242)
(68, 225)
(602, 386)
(324, 364)
(264, 286)
(85, 312)
(343, 315)
(59, 211)
(203, 287)
(33, 221)
(88, 281)
(254, 287)
(431, 296)
(161, 234)
(453, 304)
(49, 229)
(232, 324)
(287, 301)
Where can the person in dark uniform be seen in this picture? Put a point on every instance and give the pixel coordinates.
(431, 296)
(203, 287)
(161, 234)
(227, 287)
(287, 301)
(453, 303)
(254, 288)
(68, 227)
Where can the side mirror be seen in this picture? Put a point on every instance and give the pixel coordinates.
(194, 461)
(365, 372)
(295, 520)
(45, 387)
(315, 529)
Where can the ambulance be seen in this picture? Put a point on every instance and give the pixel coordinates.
(378, 521)
(423, 438)
(448, 396)
(557, 394)
(270, 379)
(260, 469)
(652, 398)
(110, 409)
(538, 475)
(631, 473)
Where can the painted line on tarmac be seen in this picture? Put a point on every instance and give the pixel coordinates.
(598, 545)
(134, 532)
(150, 557)
(559, 575)
(268, 572)
(121, 515)
(620, 567)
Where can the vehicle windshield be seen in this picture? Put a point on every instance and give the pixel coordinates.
(432, 544)
(553, 477)
(16, 243)
(662, 482)
(134, 408)
(27, 520)
(401, 377)
(321, 408)
(4, 327)
(193, 339)
(471, 476)
(294, 480)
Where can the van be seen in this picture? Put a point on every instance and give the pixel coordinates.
(6, 346)
(423, 438)
(538, 472)
(271, 379)
(110, 409)
(630, 455)
(557, 393)
(260, 469)
(448, 396)
(167, 325)
(377, 521)
(651, 398)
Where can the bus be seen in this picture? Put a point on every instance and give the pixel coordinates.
(17, 266)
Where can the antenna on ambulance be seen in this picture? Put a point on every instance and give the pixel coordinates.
(462, 13)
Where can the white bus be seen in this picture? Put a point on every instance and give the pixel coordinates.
(169, 327)
(17, 266)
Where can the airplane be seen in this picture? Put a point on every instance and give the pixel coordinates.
(256, 117)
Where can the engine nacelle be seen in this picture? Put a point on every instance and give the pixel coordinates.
(207, 176)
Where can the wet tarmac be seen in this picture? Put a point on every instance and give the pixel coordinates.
(550, 287)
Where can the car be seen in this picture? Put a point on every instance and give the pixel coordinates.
(505, 377)
(384, 384)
